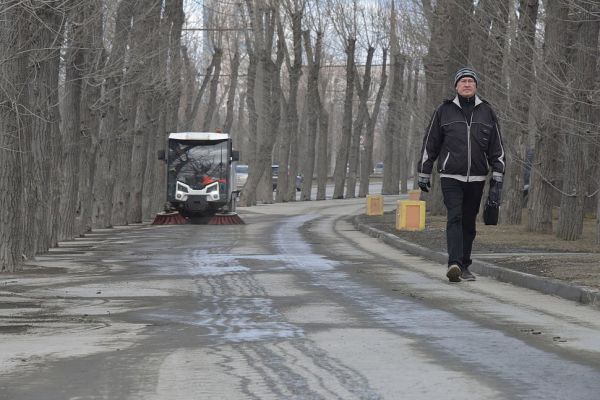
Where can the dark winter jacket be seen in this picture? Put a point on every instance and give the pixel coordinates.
(466, 148)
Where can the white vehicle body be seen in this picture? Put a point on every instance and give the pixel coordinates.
(199, 171)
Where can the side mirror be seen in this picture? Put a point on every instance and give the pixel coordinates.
(161, 155)
(235, 155)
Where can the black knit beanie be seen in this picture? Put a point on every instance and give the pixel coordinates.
(466, 71)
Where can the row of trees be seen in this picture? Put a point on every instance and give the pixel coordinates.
(89, 89)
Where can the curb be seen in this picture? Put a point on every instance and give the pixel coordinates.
(544, 285)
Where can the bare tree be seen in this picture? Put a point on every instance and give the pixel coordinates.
(322, 144)
(263, 17)
(233, 83)
(251, 147)
(343, 18)
(436, 79)
(145, 123)
(552, 73)
(46, 40)
(104, 178)
(405, 120)
(72, 120)
(130, 95)
(481, 24)
(151, 116)
(341, 161)
(392, 127)
(192, 108)
(175, 19)
(93, 63)
(289, 133)
(367, 152)
(312, 101)
(363, 113)
(517, 128)
(214, 86)
(494, 83)
(13, 74)
(570, 222)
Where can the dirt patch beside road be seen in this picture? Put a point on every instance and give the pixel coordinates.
(513, 247)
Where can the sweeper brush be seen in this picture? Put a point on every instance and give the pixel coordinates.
(228, 218)
(169, 218)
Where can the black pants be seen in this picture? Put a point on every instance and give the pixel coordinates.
(462, 201)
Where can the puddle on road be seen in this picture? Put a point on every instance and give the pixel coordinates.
(234, 320)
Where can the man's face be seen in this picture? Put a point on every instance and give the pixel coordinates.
(466, 87)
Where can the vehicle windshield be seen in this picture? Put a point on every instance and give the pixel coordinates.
(198, 163)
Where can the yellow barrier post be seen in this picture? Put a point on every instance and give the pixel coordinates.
(374, 204)
(410, 215)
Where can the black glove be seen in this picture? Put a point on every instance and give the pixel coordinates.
(424, 183)
(495, 193)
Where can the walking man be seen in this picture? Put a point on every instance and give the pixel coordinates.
(464, 136)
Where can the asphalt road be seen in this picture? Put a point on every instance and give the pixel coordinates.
(296, 304)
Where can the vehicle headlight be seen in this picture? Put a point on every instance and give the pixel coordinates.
(182, 188)
(212, 188)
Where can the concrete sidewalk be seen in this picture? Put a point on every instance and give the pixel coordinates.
(542, 284)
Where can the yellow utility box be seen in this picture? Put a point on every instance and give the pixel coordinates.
(374, 204)
(410, 215)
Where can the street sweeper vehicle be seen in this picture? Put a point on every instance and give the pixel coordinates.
(200, 178)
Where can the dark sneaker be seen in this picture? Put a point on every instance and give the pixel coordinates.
(453, 273)
(467, 275)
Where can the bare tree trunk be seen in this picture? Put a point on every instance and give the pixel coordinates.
(248, 196)
(90, 113)
(71, 136)
(13, 35)
(190, 88)
(43, 94)
(104, 177)
(436, 82)
(404, 160)
(132, 87)
(551, 77)
(233, 82)
(240, 132)
(495, 84)
(192, 113)
(264, 28)
(341, 161)
(168, 121)
(322, 146)
(176, 17)
(166, 81)
(480, 36)
(312, 101)
(272, 94)
(460, 20)
(290, 128)
(367, 156)
(56, 142)
(517, 128)
(358, 140)
(416, 123)
(390, 177)
(570, 221)
(145, 124)
(143, 158)
(214, 85)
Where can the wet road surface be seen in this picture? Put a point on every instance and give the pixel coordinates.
(294, 305)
